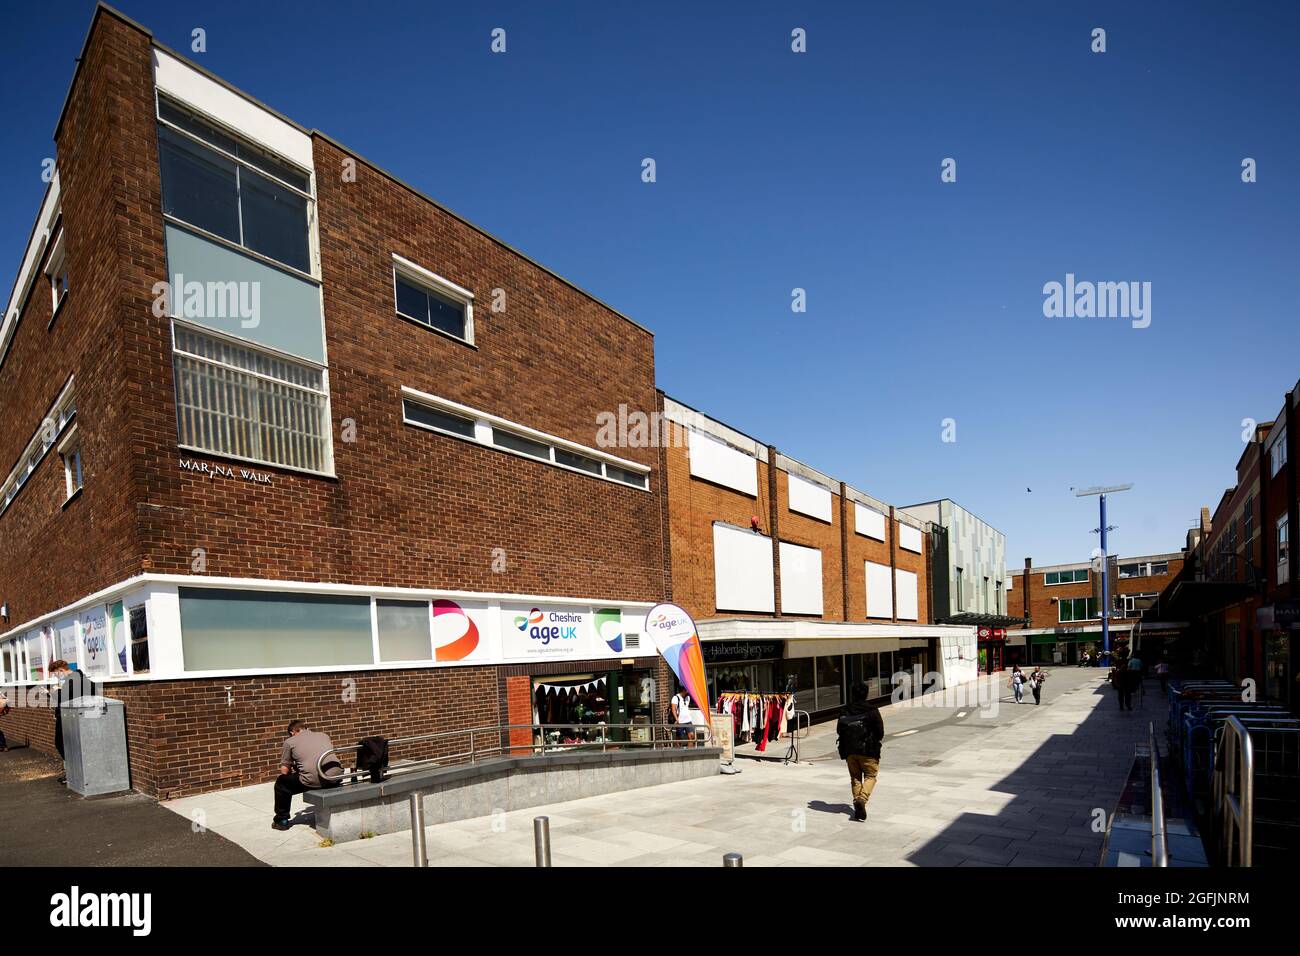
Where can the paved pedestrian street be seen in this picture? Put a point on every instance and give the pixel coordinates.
(960, 785)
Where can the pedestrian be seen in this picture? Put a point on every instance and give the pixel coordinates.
(681, 714)
(1017, 683)
(860, 731)
(72, 684)
(4, 712)
(299, 756)
(1036, 683)
(1162, 671)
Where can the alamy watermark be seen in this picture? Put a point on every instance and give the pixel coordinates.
(1100, 300)
(209, 300)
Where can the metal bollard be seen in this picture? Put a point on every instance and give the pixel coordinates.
(542, 840)
(418, 850)
(733, 859)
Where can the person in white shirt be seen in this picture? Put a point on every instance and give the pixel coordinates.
(681, 713)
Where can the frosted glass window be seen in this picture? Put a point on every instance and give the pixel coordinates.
(233, 630)
(404, 630)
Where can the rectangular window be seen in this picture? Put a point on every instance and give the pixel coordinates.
(403, 630)
(1076, 576)
(52, 426)
(233, 190)
(57, 272)
(573, 460)
(240, 402)
(417, 414)
(961, 591)
(139, 624)
(431, 300)
(1248, 520)
(71, 455)
(448, 417)
(1283, 549)
(1077, 609)
(525, 446)
(625, 476)
(235, 630)
(1277, 453)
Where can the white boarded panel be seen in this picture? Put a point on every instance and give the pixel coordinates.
(742, 570)
(254, 122)
(868, 521)
(905, 585)
(880, 598)
(722, 464)
(801, 579)
(809, 499)
(909, 538)
(1011, 584)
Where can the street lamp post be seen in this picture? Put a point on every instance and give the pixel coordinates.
(1102, 492)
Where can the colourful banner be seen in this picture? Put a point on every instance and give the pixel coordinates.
(674, 635)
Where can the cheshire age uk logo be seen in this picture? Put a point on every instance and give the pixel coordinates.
(563, 626)
(533, 617)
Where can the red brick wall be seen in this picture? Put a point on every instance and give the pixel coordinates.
(797, 528)
(92, 542)
(911, 561)
(861, 549)
(519, 706)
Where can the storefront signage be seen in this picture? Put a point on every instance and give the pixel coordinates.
(1281, 615)
(992, 633)
(558, 632)
(719, 651)
(213, 470)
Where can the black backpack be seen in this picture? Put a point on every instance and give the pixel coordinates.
(854, 737)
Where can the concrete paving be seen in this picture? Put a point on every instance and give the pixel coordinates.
(962, 784)
(43, 823)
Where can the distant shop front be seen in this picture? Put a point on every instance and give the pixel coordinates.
(819, 662)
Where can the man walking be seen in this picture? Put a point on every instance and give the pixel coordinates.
(861, 731)
(298, 758)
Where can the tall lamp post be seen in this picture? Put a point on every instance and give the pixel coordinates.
(1102, 492)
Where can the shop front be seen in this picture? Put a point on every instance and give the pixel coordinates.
(1068, 647)
(818, 663)
(1278, 623)
(992, 649)
(566, 705)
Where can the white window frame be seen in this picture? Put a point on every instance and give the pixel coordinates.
(1060, 610)
(62, 413)
(57, 266)
(1277, 453)
(313, 243)
(487, 424)
(70, 450)
(1283, 531)
(419, 276)
(276, 354)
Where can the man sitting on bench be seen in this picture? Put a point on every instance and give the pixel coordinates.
(302, 749)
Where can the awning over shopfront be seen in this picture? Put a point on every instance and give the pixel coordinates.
(983, 620)
(1189, 600)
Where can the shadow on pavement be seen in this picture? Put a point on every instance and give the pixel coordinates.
(45, 824)
(1052, 819)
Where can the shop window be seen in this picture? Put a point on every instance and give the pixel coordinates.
(830, 682)
(139, 631)
(403, 630)
(237, 630)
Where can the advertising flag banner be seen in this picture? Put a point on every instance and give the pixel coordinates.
(674, 635)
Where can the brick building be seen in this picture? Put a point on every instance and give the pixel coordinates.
(795, 579)
(284, 437)
(1240, 588)
(1061, 606)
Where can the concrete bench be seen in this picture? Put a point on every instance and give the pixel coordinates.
(508, 783)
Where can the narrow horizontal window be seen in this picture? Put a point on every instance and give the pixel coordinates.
(525, 446)
(581, 462)
(625, 476)
(482, 428)
(431, 417)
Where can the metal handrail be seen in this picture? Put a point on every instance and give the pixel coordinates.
(1238, 793)
(670, 740)
(1159, 834)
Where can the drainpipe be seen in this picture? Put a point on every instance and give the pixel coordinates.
(844, 547)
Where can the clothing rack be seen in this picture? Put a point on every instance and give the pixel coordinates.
(758, 717)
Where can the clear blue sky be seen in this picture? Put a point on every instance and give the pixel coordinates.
(821, 171)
